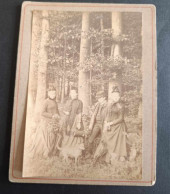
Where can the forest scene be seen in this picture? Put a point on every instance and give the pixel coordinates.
(84, 109)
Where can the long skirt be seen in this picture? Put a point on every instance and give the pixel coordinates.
(44, 140)
(115, 139)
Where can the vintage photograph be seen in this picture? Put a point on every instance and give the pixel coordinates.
(84, 106)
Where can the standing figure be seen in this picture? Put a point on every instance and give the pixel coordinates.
(97, 119)
(114, 138)
(45, 137)
(71, 125)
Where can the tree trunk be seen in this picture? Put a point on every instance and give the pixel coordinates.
(102, 43)
(64, 78)
(60, 88)
(35, 42)
(116, 49)
(83, 85)
(57, 87)
(140, 109)
(42, 65)
(102, 39)
(68, 87)
(63, 89)
(117, 30)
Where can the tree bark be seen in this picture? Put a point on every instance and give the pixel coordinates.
(63, 77)
(141, 102)
(68, 87)
(63, 89)
(42, 65)
(35, 42)
(60, 88)
(83, 85)
(117, 30)
(57, 87)
(102, 40)
(116, 49)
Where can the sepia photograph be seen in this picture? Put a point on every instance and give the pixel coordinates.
(84, 100)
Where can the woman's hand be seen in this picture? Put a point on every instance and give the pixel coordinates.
(78, 125)
(110, 123)
(55, 116)
(107, 126)
(89, 128)
(66, 113)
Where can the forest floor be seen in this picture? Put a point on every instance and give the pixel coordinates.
(130, 169)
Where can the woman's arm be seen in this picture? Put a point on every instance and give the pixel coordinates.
(44, 111)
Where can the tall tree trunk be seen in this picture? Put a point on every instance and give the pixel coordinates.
(116, 49)
(90, 76)
(63, 89)
(42, 65)
(102, 43)
(102, 39)
(68, 87)
(60, 88)
(57, 87)
(35, 42)
(117, 30)
(83, 85)
(63, 78)
(90, 88)
(141, 102)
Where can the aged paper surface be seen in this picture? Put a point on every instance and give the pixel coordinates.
(91, 100)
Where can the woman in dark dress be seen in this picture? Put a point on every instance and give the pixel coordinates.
(71, 124)
(113, 140)
(45, 137)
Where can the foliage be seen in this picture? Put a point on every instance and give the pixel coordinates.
(64, 49)
(63, 45)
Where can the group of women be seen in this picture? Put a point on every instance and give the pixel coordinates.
(68, 123)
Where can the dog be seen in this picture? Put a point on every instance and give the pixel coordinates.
(70, 151)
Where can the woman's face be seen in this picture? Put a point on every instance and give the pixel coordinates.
(73, 94)
(52, 94)
(115, 97)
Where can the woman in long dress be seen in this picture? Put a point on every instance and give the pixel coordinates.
(45, 136)
(71, 124)
(113, 141)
